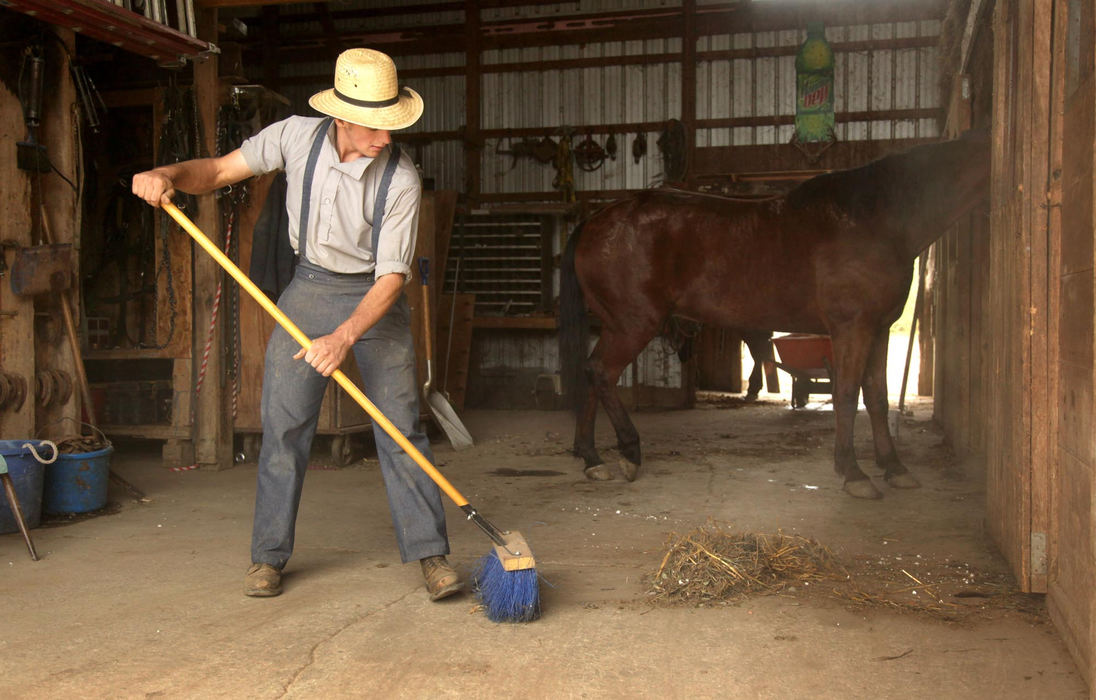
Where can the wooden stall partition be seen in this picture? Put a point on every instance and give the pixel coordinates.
(255, 323)
(719, 359)
(1016, 412)
(1072, 201)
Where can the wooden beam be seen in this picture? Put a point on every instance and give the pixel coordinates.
(213, 4)
(271, 66)
(60, 218)
(688, 80)
(473, 139)
(213, 426)
(634, 60)
(16, 313)
(334, 44)
(784, 156)
(660, 23)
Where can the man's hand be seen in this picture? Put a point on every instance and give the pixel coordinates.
(153, 186)
(327, 353)
(197, 176)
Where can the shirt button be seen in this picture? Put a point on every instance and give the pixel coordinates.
(327, 201)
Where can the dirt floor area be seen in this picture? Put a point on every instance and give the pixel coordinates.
(145, 599)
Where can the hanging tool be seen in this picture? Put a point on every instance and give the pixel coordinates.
(506, 579)
(31, 155)
(589, 155)
(443, 412)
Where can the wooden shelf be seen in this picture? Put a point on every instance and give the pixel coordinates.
(117, 26)
(129, 354)
(150, 432)
(548, 323)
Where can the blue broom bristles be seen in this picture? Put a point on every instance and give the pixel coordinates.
(507, 596)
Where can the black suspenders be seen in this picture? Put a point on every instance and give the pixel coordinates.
(306, 190)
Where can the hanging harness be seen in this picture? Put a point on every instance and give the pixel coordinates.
(306, 190)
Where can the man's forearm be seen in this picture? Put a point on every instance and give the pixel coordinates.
(199, 176)
(374, 305)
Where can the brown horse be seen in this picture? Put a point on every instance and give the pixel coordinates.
(833, 256)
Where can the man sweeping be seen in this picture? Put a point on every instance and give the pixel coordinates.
(353, 204)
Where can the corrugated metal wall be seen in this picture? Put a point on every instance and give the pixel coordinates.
(866, 80)
(873, 79)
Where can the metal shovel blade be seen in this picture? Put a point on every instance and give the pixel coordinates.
(443, 412)
(447, 418)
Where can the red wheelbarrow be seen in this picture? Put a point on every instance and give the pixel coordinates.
(808, 358)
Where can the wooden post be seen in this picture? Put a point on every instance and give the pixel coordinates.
(213, 418)
(16, 313)
(688, 80)
(57, 224)
(473, 141)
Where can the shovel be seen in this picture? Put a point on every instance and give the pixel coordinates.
(439, 406)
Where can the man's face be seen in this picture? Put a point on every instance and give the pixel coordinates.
(364, 140)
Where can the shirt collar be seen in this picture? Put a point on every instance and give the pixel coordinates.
(355, 168)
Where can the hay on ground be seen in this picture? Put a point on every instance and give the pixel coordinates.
(711, 564)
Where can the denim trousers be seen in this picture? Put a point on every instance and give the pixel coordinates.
(318, 301)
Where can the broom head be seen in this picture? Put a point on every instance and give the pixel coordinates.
(507, 583)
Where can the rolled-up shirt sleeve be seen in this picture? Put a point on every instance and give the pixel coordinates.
(396, 249)
(263, 151)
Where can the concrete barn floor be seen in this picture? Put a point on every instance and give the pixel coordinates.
(146, 600)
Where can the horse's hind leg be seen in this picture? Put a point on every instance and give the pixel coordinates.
(877, 404)
(851, 347)
(612, 354)
(584, 446)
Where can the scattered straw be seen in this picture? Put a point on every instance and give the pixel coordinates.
(711, 564)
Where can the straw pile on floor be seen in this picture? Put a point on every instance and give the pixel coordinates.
(711, 564)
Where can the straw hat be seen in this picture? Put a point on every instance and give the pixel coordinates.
(366, 92)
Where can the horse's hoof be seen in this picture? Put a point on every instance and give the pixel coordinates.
(628, 469)
(903, 481)
(600, 472)
(862, 488)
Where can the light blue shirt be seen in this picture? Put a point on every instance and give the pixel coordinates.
(340, 226)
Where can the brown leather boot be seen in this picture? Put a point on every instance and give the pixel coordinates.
(442, 580)
(262, 581)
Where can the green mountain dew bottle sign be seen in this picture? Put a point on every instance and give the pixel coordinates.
(814, 87)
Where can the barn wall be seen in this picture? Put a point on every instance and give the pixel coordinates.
(1014, 305)
(743, 102)
(882, 68)
(1073, 558)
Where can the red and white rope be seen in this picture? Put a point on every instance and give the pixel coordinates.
(212, 328)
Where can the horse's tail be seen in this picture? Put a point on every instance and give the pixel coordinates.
(573, 326)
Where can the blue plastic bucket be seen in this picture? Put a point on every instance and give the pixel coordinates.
(27, 476)
(77, 483)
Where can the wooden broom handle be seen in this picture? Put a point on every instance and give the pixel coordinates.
(291, 328)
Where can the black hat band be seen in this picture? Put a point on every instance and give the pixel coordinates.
(372, 104)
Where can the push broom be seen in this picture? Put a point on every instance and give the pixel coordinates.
(506, 578)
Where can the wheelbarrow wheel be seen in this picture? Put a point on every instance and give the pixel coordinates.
(252, 445)
(341, 452)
